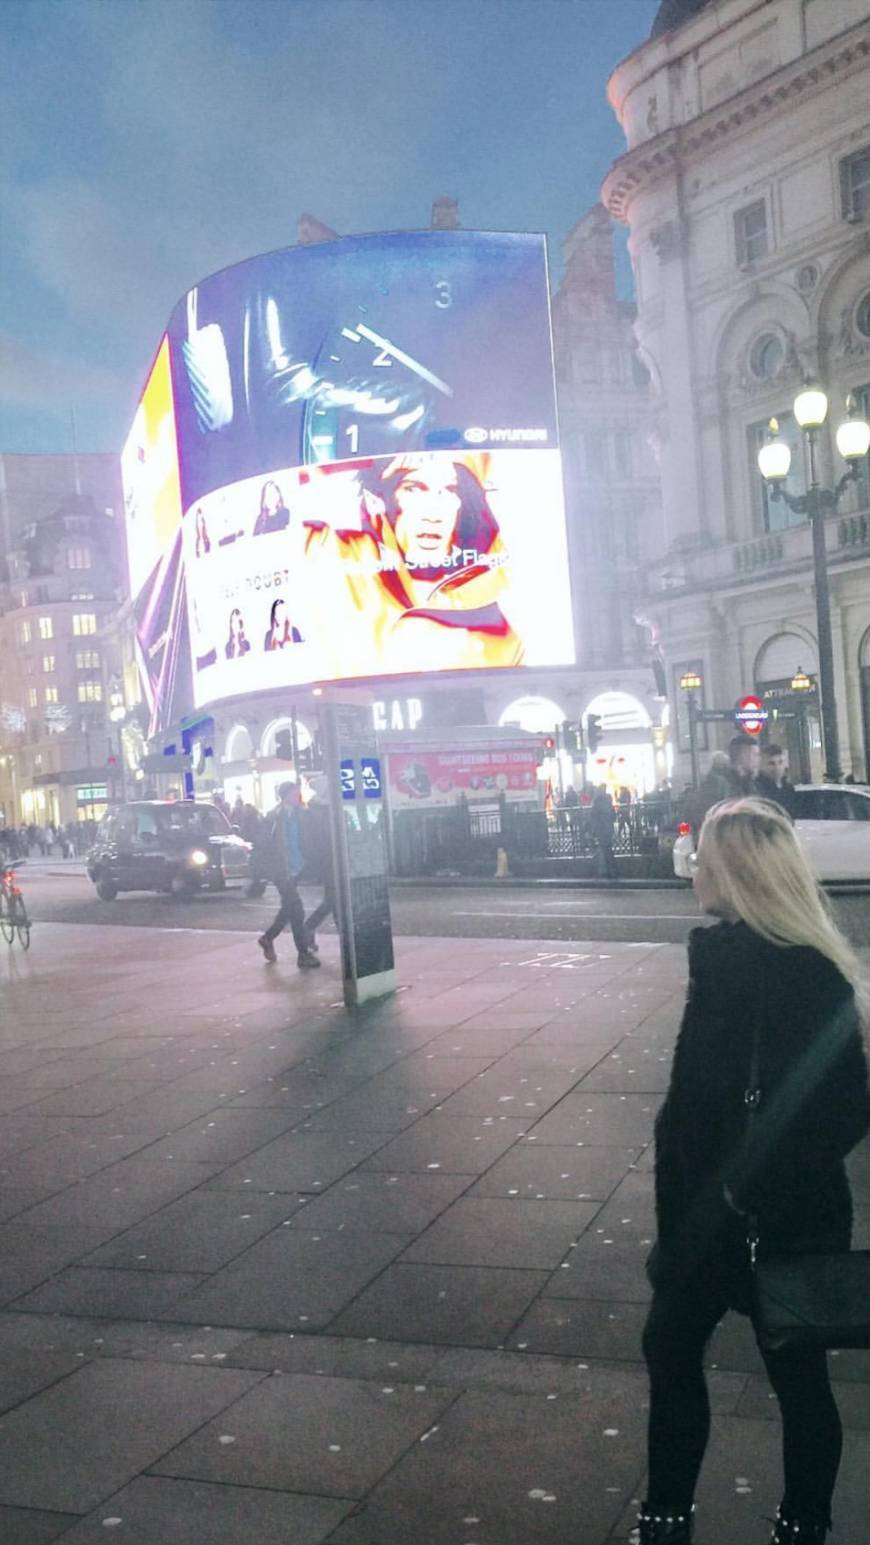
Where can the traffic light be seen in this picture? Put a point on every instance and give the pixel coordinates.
(550, 745)
(284, 745)
(571, 737)
(593, 731)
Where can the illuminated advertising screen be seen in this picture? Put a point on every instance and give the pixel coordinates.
(368, 467)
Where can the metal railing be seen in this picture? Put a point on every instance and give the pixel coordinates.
(463, 838)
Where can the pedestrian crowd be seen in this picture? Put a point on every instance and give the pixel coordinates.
(69, 841)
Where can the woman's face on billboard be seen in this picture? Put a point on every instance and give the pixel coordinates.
(428, 503)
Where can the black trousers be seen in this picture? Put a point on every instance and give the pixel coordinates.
(680, 1323)
(324, 909)
(290, 911)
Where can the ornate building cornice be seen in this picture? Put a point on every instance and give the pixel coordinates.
(657, 157)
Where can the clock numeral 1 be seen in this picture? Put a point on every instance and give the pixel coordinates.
(352, 431)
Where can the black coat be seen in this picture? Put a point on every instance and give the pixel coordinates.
(789, 1170)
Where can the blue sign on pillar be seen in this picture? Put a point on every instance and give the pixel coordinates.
(370, 767)
(348, 779)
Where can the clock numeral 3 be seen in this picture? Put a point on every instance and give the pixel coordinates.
(444, 297)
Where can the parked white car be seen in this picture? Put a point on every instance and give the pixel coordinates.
(832, 823)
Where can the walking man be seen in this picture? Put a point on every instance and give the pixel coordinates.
(286, 864)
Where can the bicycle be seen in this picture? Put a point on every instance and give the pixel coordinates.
(13, 913)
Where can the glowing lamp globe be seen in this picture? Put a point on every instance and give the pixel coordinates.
(811, 407)
(774, 457)
(853, 435)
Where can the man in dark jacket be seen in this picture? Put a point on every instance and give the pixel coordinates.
(744, 756)
(286, 864)
(601, 819)
(773, 780)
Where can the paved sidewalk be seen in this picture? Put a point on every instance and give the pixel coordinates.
(271, 1273)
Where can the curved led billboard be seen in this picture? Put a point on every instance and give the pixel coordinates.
(368, 477)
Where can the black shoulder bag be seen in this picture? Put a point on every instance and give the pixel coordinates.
(804, 1300)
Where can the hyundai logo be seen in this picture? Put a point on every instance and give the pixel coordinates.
(475, 436)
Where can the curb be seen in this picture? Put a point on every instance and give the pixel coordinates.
(530, 882)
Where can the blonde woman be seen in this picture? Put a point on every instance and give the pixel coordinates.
(774, 961)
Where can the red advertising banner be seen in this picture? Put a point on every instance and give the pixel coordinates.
(425, 779)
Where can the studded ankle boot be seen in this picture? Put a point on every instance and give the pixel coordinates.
(791, 1529)
(663, 1527)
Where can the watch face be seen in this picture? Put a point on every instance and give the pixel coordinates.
(372, 395)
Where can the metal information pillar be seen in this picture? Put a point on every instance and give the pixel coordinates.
(358, 823)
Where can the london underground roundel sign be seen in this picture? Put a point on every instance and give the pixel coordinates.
(750, 715)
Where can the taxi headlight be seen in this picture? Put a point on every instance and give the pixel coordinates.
(198, 858)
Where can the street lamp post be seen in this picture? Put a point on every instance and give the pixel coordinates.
(774, 460)
(801, 684)
(691, 683)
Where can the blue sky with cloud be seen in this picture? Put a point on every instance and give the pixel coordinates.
(145, 143)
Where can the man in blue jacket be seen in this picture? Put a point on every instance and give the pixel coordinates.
(285, 862)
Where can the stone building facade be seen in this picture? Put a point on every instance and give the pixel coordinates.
(62, 582)
(746, 190)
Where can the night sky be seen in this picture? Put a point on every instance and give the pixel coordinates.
(145, 143)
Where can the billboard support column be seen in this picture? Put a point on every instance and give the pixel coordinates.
(359, 845)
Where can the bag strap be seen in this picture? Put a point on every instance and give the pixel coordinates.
(752, 1100)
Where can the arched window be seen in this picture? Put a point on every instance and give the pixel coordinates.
(619, 711)
(537, 715)
(782, 656)
(267, 742)
(238, 746)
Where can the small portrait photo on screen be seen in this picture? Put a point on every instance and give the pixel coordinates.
(237, 644)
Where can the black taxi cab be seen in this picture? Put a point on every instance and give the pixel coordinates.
(175, 846)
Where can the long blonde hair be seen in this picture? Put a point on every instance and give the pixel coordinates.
(758, 871)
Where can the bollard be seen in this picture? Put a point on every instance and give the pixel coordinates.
(502, 872)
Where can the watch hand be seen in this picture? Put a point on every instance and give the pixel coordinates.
(404, 359)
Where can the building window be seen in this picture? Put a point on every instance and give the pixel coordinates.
(46, 627)
(766, 357)
(78, 557)
(855, 185)
(750, 232)
(22, 598)
(87, 659)
(84, 622)
(862, 315)
(90, 692)
(48, 663)
(50, 694)
(25, 633)
(32, 697)
(862, 482)
(82, 595)
(775, 514)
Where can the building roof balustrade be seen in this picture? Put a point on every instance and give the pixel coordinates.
(770, 556)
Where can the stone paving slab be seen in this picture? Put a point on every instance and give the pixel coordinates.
(154, 1511)
(396, 1258)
